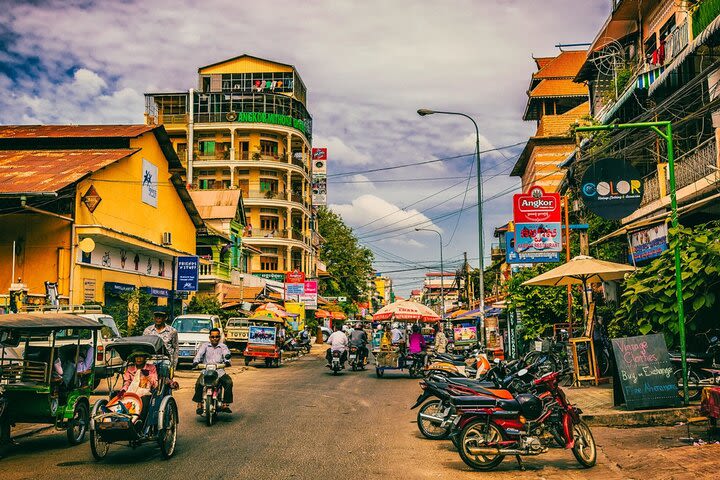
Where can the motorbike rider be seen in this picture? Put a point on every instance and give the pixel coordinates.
(359, 339)
(214, 352)
(338, 342)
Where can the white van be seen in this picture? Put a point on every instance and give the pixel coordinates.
(193, 330)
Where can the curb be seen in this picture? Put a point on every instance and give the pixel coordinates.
(31, 431)
(642, 418)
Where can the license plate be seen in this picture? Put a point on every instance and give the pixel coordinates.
(352, 357)
(186, 353)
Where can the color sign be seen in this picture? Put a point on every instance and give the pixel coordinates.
(187, 274)
(512, 257)
(538, 237)
(612, 188)
(536, 206)
(644, 372)
(149, 183)
(261, 335)
(648, 243)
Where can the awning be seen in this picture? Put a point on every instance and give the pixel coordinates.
(118, 288)
(675, 64)
(155, 292)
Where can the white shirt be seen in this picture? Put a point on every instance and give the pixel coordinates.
(338, 341)
(397, 335)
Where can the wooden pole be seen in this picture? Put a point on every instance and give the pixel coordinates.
(567, 259)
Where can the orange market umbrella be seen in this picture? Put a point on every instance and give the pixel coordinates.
(406, 310)
(322, 314)
(338, 316)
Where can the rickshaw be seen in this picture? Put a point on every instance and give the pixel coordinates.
(46, 372)
(397, 356)
(263, 341)
(122, 420)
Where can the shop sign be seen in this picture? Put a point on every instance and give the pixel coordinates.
(536, 206)
(295, 276)
(310, 295)
(612, 188)
(538, 237)
(118, 288)
(149, 183)
(272, 119)
(294, 289)
(187, 273)
(156, 292)
(114, 258)
(91, 199)
(319, 189)
(275, 277)
(89, 289)
(648, 243)
(513, 257)
(319, 154)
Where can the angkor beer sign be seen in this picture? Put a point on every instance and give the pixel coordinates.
(612, 188)
(537, 222)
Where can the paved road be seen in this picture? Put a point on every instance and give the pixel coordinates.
(300, 422)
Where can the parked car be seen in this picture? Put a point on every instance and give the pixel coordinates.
(236, 333)
(193, 330)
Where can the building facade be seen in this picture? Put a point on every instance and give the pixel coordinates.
(246, 127)
(98, 211)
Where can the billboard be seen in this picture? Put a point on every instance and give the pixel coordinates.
(187, 274)
(648, 243)
(612, 188)
(536, 206)
(319, 189)
(310, 296)
(261, 335)
(512, 257)
(319, 161)
(538, 237)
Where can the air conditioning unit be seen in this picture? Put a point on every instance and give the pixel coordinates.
(167, 238)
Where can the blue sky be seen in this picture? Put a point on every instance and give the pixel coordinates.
(368, 67)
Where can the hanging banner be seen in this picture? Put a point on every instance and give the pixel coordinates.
(319, 161)
(319, 189)
(149, 183)
(310, 296)
(649, 243)
(612, 188)
(536, 206)
(513, 257)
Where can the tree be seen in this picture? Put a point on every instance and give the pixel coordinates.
(208, 304)
(133, 313)
(348, 263)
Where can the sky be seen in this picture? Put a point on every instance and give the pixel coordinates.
(368, 66)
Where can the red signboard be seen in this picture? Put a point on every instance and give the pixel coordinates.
(536, 206)
(296, 276)
(319, 153)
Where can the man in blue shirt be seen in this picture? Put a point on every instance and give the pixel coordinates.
(214, 352)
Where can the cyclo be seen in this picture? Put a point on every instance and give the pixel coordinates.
(263, 342)
(123, 418)
(46, 372)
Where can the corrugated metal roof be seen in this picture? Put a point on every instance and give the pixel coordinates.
(70, 131)
(45, 171)
(216, 203)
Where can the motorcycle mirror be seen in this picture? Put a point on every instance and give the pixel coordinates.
(496, 361)
(227, 357)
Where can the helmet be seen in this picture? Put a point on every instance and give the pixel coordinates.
(530, 405)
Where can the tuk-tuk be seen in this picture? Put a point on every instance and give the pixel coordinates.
(47, 371)
(124, 419)
(464, 334)
(263, 341)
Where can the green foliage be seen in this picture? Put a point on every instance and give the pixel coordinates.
(540, 307)
(133, 313)
(649, 303)
(348, 263)
(208, 304)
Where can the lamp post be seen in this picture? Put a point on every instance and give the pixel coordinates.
(423, 112)
(442, 270)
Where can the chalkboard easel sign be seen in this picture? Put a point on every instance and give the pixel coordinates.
(644, 372)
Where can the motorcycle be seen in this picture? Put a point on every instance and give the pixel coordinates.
(212, 389)
(356, 358)
(473, 366)
(703, 369)
(336, 363)
(297, 344)
(489, 428)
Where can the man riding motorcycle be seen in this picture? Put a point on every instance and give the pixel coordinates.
(359, 339)
(338, 342)
(214, 352)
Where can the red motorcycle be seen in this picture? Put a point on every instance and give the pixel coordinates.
(489, 428)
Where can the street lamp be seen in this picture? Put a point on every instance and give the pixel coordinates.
(423, 112)
(442, 270)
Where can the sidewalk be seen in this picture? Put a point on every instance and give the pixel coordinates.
(596, 403)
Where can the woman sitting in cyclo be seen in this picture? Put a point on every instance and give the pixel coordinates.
(140, 378)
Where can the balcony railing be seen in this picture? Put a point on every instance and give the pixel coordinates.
(689, 168)
(267, 195)
(215, 270)
(676, 42)
(263, 233)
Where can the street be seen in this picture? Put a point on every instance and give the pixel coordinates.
(300, 422)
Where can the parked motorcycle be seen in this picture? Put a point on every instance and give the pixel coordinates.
(703, 368)
(489, 428)
(473, 366)
(212, 389)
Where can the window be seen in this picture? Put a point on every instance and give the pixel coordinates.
(666, 29)
(269, 210)
(243, 172)
(268, 173)
(267, 185)
(268, 263)
(268, 147)
(269, 223)
(650, 49)
(269, 250)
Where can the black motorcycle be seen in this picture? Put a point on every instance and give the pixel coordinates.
(213, 390)
(703, 368)
(356, 358)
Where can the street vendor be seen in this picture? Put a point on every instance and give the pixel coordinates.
(386, 340)
(441, 340)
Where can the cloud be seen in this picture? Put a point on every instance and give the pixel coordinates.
(339, 153)
(371, 216)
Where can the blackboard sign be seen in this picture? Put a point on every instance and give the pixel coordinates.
(644, 372)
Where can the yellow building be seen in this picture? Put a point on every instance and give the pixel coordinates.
(249, 129)
(555, 102)
(117, 185)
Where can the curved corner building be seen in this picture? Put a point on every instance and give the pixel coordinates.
(249, 129)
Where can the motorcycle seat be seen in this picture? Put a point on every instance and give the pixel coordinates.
(478, 386)
(450, 357)
(481, 401)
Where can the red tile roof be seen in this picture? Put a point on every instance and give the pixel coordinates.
(70, 131)
(47, 171)
(559, 88)
(565, 65)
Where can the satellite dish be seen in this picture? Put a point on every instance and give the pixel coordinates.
(87, 245)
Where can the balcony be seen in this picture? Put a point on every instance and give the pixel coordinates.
(262, 233)
(690, 167)
(676, 42)
(215, 271)
(266, 195)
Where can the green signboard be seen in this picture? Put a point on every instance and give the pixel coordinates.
(271, 118)
(277, 277)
